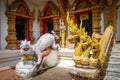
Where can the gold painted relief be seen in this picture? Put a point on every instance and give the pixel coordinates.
(50, 13)
(84, 16)
(18, 10)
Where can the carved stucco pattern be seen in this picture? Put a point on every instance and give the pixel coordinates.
(96, 19)
(11, 37)
(21, 10)
(50, 10)
(110, 15)
(15, 9)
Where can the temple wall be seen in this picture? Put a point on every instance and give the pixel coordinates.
(0, 24)
(102, 23)
(118, 24)
(36, 24)
(4, 26)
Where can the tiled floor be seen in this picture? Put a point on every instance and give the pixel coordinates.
(56, 73)
(9, 74)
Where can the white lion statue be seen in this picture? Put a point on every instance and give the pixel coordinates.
(32, 55)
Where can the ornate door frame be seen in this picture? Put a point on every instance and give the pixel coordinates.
(18, 8)
(50, 11)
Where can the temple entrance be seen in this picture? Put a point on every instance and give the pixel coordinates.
(87, 21)
(19, 24)
(21, 28)
(49, 26)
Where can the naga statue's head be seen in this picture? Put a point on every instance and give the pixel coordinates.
(85, 39)
(95, 45)
(25, 46)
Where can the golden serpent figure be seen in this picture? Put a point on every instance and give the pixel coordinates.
(88, 52)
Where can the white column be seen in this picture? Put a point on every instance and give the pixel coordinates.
(0, 24)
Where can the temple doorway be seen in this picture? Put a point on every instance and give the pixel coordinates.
(87, 21)
(49, 26)
(21, 28)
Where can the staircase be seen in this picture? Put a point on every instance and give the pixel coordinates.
(65, 58)
(112, 71)
(9, 58)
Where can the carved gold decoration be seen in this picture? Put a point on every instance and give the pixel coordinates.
(11, 38)
(84, 16)
(81, 54)
(50, 11)
(21, 11)
(17, 8)
(83, 4)
(91, 6)
(56, 28)
(63, 31)
(90, 52)
(96, 12)
(110, 14)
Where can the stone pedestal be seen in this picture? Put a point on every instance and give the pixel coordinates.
(83, 73)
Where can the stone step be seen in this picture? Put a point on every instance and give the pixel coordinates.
(116, 53)
(10, 63)
(113, 72)
(9, 58)
(117, 45)
(114, 58)
(116, 48)
(65, 63)
(65, 55)
(111, 78)
(115, 65)
(65, 58)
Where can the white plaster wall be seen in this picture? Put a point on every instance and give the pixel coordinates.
(118, 24)
(36, 26)
(0, 24)
(102, 23)
(3, 25)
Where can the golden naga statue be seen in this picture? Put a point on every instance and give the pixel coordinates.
(73, 27)
(95, 51)
(87, 52)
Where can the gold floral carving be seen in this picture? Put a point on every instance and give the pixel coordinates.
(50, 11)
(110, 15)
(17, 8)
(96, 12)
(84, 16)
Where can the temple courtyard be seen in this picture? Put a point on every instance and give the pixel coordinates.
(9, 59)
(56, 73)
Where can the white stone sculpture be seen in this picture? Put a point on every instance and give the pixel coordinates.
(32, 55)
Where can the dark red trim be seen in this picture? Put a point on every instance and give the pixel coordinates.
(44, 26)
